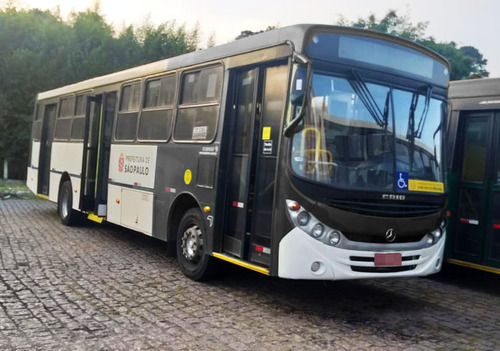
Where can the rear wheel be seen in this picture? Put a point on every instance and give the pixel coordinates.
(68, 216)
(191, 239)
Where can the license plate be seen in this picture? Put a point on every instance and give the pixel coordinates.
(388, 259)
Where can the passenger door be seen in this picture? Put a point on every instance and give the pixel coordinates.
(477, 237)
(46, 149)
(254, 127)
(97, 145)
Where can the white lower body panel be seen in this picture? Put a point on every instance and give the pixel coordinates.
(130, 208)
(32, 179)
(55, 180)
(298, 252)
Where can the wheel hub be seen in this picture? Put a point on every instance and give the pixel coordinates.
(192, 243)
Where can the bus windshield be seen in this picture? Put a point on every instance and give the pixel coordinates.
(369, 136)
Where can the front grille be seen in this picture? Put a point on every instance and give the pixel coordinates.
(386, 209)
(380, 239)
(372, 269)
(372, 259)
(362, 269)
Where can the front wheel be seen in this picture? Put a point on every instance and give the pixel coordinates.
(68, 216)
(191, 239)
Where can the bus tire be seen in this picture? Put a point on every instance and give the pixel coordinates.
(68, 216)
(191, 236)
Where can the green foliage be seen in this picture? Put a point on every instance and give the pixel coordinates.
(248, 33)
(41, 51)
(166, 40)
(466, 61)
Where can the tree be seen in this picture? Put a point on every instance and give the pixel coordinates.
(211, 40)
(466, 62)
(248, 33)
(41, 51)
(27, 64)
(166, 40)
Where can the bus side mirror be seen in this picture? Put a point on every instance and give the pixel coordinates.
(297, 93)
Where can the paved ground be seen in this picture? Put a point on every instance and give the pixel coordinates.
(105, 288)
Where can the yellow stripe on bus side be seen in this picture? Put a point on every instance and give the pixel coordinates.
(45, 197)
(242, 263)
(474, 265)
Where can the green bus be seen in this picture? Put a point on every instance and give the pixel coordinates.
(474, 174)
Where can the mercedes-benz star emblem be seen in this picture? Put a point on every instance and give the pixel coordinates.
(390, 235)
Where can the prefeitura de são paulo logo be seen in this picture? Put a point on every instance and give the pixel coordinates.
(120, 163)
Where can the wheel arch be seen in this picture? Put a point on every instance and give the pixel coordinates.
(181, 204)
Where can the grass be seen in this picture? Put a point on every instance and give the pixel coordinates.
(6, 184)
(11, 188)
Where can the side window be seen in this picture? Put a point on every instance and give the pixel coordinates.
(158, 109)
(126, 122)
(78, 126)
(64, 117)
(199, 105)
(37, 122)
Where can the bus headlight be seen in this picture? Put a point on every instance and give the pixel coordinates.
(437, 233)
(430, 239)
(334, 238)
(317, 230)
(311, 225)
(303, 218)
(434, 236)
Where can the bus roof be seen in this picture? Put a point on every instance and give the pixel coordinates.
(297, 36)
(470, 88)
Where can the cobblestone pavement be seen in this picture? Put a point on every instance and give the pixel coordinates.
(100, 287)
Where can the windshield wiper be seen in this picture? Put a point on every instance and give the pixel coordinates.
(413, 133)
(360, 88)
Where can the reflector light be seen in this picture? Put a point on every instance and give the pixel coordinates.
(496, 226)
(294, 206)
(206, 209)
(262, 249)
(469, 221)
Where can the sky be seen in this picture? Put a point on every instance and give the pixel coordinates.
(466, 22)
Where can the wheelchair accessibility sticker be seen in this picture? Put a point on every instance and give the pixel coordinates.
(402, 180)
(404, 183)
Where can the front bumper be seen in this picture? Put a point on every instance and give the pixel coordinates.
(302, 257)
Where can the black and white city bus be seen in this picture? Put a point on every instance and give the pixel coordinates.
(305, 152)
